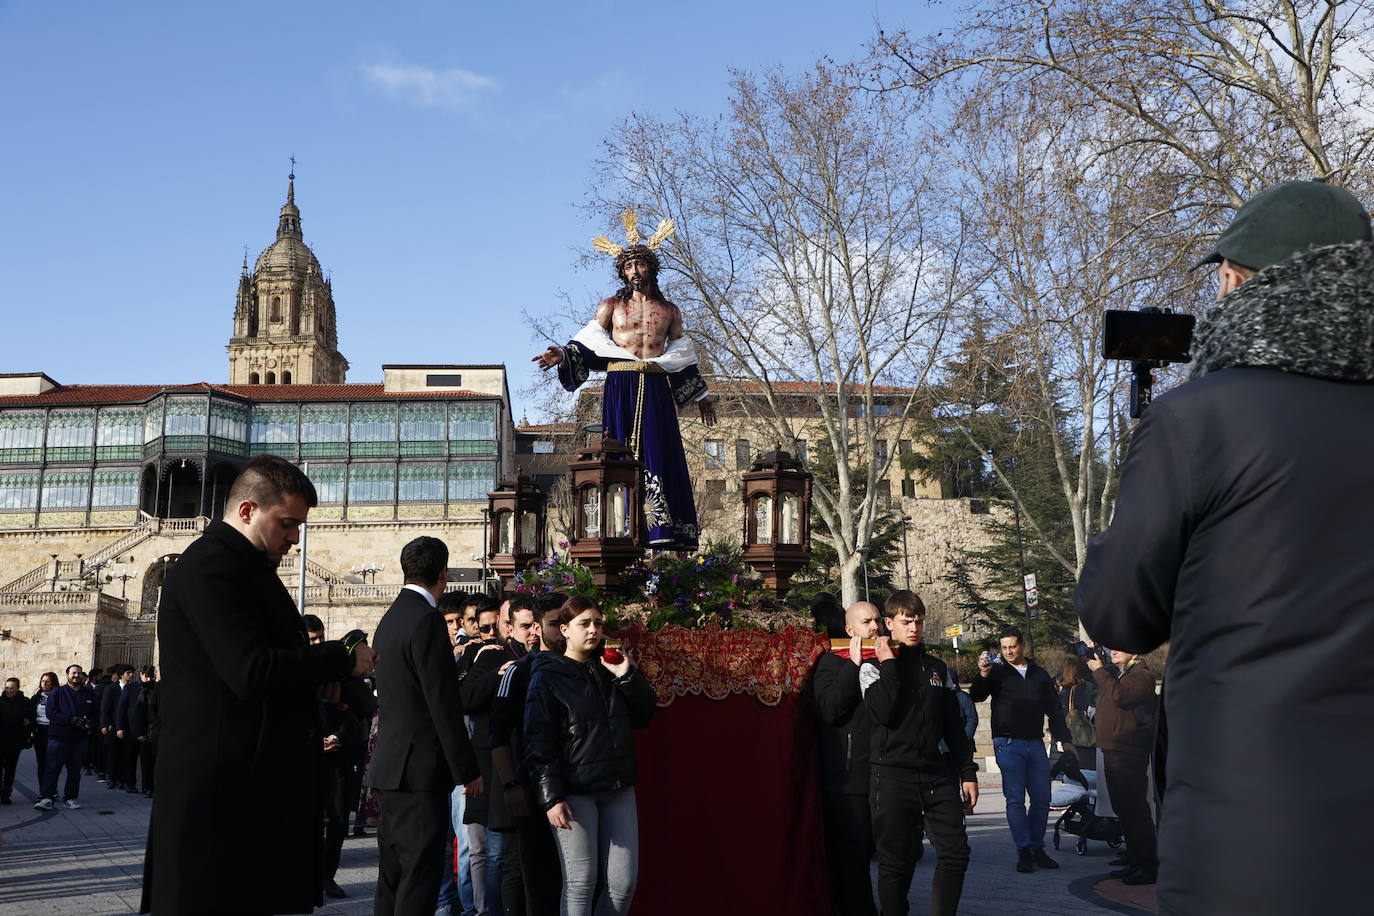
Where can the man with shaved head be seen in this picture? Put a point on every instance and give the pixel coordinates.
(844, 737)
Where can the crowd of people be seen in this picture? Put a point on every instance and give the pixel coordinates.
(897, 753)
(103, 725)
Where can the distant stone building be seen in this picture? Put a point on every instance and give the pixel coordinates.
(102, 486)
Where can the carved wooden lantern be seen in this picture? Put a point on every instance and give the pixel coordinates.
(607, 511)
(777, 518)
(516, 535)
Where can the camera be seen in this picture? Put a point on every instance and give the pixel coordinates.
(1101, 653)
(1149, 339)
(990, 658)
(81, 722)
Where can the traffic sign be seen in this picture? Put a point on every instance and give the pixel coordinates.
(953, 631)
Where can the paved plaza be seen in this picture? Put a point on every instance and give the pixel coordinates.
(89, 862)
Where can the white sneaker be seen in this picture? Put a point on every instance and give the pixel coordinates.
(43, 804)
(71, 804)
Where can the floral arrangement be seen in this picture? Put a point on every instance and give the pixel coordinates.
(713, 587)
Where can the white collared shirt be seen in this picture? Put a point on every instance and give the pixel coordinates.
(423, 591)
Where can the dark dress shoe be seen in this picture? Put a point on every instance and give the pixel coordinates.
(1024, 864)
(332, 889)
(1040, 858)
(1138, 877)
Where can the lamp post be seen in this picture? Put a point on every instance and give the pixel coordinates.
(123, 575)
(777, 518)
(906, 562)
(371, 568)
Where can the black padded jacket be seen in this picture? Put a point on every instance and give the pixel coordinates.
(578, 722)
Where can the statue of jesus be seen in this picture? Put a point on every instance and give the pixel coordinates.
(636, 338)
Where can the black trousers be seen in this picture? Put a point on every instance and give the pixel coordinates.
(512, 879)
(9, 760)
(539, 866)
(128, 757)
(147, 761)
(414, 824)
(114, 761)
(1128, 788)
(337, 778)
(848, 850)
(905, 805)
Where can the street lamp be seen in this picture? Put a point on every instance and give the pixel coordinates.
(123, 575)
(906, 563)
(370, 568)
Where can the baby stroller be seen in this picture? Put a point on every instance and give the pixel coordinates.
(1075, 796)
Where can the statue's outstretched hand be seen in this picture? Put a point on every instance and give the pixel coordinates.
(549, 358)
(707, 406)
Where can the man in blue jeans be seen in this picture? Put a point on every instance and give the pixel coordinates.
(1023, 695)
(71, 713)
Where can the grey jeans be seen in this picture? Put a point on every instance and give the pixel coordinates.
(602, 844)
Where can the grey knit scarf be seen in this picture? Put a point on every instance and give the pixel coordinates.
(1311, 315)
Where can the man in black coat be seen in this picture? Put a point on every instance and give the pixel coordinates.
(1241, 536)
(236, 821)
(844, 736)
(423, 749)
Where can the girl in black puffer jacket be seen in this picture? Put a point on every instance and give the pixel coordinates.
(580, 755)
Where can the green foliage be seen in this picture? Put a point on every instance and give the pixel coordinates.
(984, 393)
(822, 574)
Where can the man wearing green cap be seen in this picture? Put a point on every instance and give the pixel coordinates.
(1241, 537)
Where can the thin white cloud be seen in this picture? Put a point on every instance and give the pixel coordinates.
(427, 87)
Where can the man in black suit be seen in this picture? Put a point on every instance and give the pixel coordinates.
(237, 820)
(423, 749)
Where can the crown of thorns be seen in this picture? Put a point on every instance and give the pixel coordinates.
(633, 248)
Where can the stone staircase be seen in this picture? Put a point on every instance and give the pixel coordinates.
(71, 569)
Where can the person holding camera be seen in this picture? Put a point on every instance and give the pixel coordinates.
(1125, 725)
(71, 712)
(1241, 537)
(1023, 697)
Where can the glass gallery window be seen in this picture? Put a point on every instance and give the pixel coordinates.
(470, 481)
(472, 429)
(21, 435)
(324, 430)
(422, 429)
(273, 429)
(70, 433)
(371, 483)
(117, 434)
(187, 416)
(18, 492)
(66, 489)
(372, 429)
(115, 490)
(152, 421)
(229, 424)
(329, 482)
(422, 484)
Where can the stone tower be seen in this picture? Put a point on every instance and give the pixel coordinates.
(284, 331)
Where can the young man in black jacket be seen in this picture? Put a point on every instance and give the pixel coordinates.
(1023, 695)
(844, 736)
(913, 785)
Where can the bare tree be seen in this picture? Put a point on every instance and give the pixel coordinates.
(1228, 96)
(1061, 232)
(811, 250)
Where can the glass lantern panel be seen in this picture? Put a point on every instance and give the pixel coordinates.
(763, 520)
(529, 536)
(505, 532)
(591, 512)
(620, 511)
(790, 521)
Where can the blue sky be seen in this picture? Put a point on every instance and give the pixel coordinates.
(442, 153)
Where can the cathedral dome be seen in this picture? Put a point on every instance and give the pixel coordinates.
(287, 253)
